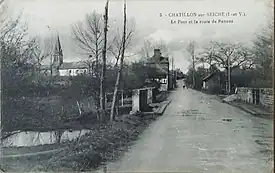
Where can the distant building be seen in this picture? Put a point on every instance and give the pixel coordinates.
(161, 66)
(73, 69)
(214, 79)
(59, 68)
(67, 69)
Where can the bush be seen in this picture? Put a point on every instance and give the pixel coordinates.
(215, 89)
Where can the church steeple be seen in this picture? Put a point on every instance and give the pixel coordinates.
(57, 57)
(58, 54)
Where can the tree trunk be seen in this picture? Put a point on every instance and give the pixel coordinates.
(120, 67)
(103, 69)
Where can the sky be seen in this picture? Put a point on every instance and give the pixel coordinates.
(61, 14)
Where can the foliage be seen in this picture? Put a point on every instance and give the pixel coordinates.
(220, 53)
(215, 89)
(263, 51)
(104, 143)
(199, 73)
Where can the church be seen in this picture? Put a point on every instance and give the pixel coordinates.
(59, 68)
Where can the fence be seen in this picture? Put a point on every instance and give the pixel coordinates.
(258, 96)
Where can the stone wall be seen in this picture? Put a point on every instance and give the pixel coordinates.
(136, 98)
(265, 95)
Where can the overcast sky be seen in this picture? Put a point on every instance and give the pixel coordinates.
(60, 14)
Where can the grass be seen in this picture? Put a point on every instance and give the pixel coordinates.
(105, 142)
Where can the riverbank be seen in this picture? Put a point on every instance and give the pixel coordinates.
(105, 142)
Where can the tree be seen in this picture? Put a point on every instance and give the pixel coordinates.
(148, 48)
(221, 53)
(199, 73)
(117, 43)
(121, 58)
(89, 36)
(228, 56)
(207, 56)
(263, 52)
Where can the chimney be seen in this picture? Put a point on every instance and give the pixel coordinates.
(157, 53)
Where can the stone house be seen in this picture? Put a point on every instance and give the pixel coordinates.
(161, 65)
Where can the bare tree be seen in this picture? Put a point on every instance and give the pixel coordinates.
(40, 49)
(228, 56)
(117, 43)
(89, 37)
(207, 56)
(122, 44)
(148, 48)
(236, 53)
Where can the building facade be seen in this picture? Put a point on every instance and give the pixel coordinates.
(160, 65)
(73, 69)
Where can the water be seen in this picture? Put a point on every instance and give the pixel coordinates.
(32, 138)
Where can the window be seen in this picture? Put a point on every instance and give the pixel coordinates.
(163, 81)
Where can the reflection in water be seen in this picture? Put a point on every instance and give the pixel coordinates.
(30, 138)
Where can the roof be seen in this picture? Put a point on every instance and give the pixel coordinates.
(158, 59)
(73, 65)
(210, 76)
(68, 65)
(161, 63)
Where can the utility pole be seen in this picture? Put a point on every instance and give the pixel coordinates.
(191, 51)
(193, 63)
(173, 73)
(103, 69)
(229, 75)
(51, 65)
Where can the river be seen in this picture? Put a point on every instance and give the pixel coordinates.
(32, 138)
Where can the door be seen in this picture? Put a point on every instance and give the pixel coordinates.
(143, 100)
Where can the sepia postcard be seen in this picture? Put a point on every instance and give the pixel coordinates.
(137, 86)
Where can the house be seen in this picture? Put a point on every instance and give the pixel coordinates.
(160, 65)
(215, 79)
(66, 69)
(73, 69)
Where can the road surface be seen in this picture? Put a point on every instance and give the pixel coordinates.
(192, 137)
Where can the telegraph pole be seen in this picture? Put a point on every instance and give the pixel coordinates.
(229, 76)
(173, 72)
(193, 63)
